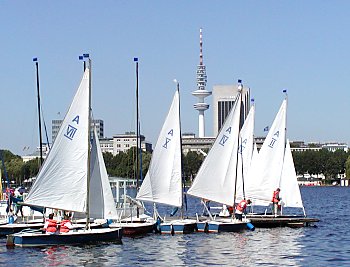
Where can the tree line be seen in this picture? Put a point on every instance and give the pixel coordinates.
(325, 162)
(124, 164)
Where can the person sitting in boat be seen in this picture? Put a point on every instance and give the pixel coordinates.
(276, 202)
(50, 225)
(65, 225)
(241, 208)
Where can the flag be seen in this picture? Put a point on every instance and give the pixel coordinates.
(81, 57)
(35, 59)
(136, 59)
(266, 128)
(285, 91)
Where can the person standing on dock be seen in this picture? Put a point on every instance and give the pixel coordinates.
(275, 201)
(19, 207)
(240, 209)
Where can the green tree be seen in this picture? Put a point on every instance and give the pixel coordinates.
(191, 164)
(347, 166)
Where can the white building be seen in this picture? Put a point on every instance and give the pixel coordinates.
(224, 97)
(56, 124)
(123, 142)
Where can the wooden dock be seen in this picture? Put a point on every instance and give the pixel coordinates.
(270, 221)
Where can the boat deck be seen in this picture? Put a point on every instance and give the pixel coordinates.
(268, 221)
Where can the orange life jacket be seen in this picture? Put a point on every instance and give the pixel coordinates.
(242, 205)
(63, 227)
(52, 226)
(230, 209)
(276, 196)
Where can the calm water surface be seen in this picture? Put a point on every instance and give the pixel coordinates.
(325, 245)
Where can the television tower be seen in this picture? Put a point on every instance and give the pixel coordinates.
(201, 92)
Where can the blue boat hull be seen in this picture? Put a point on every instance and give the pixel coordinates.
(178, 227)
(72, 238)
(202, 227)
(218, 227)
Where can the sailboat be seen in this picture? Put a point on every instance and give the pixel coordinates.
(217, 177)
(163, 182)
(274, 168)
(65, 179)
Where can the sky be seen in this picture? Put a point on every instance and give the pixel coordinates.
(301, 46)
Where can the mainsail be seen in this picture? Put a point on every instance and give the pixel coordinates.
(245, 152)
(101, 204)
(163, 183)
(216, 177)
(268, 166)
(61, 182)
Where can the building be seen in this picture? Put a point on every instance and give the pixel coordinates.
(335, 146)
(123, 142)
(36, 154)
(192, 143)
(224, 97)
(56, 124)
(201, 92)
(301, 146)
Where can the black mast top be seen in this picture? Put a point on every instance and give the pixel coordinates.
(39, 112)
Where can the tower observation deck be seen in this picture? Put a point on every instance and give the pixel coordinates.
(201, 92)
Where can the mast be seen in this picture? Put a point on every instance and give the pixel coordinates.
(240, 91)
(285, 135)
(138, 139)
(182, 176)
(39, 112)
(89, 152)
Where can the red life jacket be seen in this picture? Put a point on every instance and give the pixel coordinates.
(230, 209)
(242, 205)
(63, 227)
(276, 196)
(52, 226)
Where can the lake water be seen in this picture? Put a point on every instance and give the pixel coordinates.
(328, 244)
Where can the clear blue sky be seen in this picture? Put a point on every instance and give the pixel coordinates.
(301, 46)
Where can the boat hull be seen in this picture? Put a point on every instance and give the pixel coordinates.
(135, 229)
(178, 227)
(222, 226)
(81, 237)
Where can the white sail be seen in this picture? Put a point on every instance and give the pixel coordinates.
(290, 192)
(216, 177)
(245, 152)
(163, 183)
(101, 204)
(62, 180)
(264, 175)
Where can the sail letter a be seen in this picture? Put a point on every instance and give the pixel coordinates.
(76, 119)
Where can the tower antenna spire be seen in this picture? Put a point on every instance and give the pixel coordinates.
(201, 92)
(200, 47)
